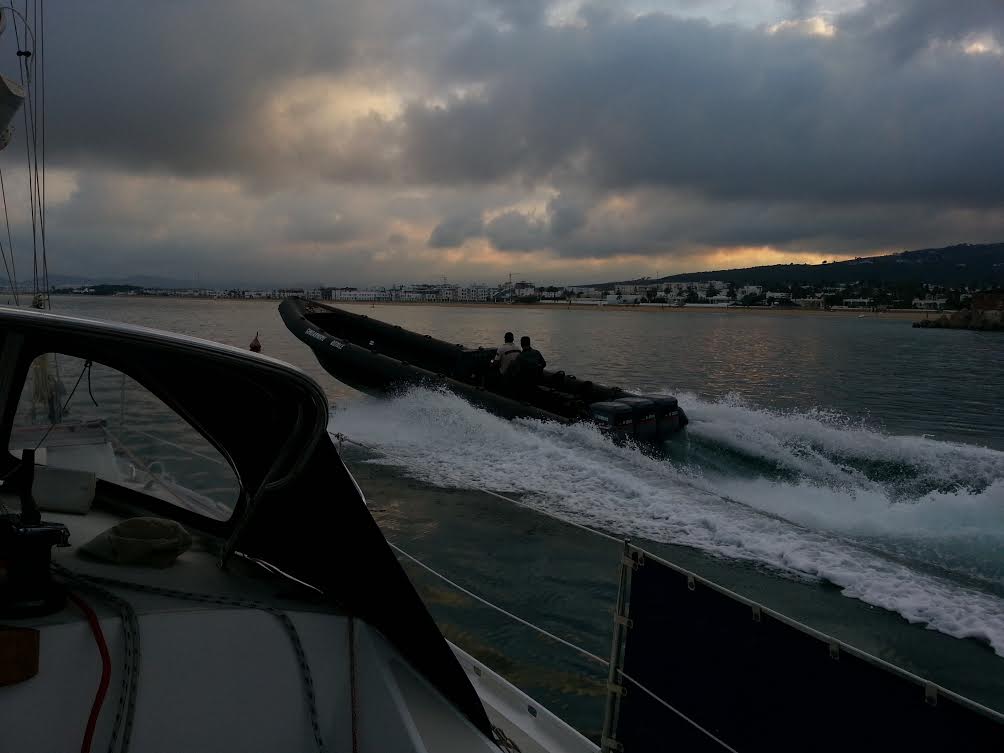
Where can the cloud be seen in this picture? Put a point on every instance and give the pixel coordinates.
(453, 231)
(516, 231)
(724, 110)
(461, 134)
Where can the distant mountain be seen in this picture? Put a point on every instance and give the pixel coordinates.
(141, 281)
(964, 264)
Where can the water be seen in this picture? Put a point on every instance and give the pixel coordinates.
(848, 472)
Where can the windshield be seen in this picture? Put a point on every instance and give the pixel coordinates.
(86, 417)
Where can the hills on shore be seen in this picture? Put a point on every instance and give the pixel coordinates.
(966, 264)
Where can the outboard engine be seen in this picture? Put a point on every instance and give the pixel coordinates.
(668, 416)
(614, 418)
(643, 413)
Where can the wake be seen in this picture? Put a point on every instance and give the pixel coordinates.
(905, 523)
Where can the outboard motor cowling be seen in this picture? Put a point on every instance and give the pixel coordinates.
(614, 418)
(668, 416)
(643, 413)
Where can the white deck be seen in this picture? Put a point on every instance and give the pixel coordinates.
(222, 678)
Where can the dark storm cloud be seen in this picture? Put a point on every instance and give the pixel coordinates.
(728, 111)
(516, 231)
(566, 215)
(654, 134)
(177, 87)
(655, 221)
(453, 231)
(903, 30)
(521, 12)
(621, 103)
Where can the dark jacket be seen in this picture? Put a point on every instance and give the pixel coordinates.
(529, 364)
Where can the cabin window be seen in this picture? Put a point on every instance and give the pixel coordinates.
(91, 419)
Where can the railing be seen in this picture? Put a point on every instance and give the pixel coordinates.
(721, 664)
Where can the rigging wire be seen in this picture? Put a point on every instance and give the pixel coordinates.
(41, 92)
(10, 239)
(568, 644)
(13, 287)
(33, 118)
(87, 369)
(24, 74)
(35, 109)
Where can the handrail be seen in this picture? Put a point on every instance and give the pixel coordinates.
(563, 642)
(510, 615)
(618, 670)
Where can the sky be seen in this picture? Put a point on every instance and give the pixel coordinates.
(343, 142)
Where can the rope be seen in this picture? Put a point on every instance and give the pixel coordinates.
(287, 624)
(343, 438)
(106, 670)
(126, 708)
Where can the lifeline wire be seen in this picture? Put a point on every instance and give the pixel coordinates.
(342, 438)
(563, 642)
(542, 631)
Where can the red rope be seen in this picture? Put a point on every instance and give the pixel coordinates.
(106, 670)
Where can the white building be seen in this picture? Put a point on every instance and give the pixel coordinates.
(475, 293)
(359, 295)
(809, 303)
(931, 304)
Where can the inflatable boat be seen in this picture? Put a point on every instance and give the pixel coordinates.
(379, 359)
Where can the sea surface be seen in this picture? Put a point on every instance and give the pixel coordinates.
(848, 472)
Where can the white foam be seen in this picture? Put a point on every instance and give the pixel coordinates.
(799, 526)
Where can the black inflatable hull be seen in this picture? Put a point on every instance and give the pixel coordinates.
(379, 359)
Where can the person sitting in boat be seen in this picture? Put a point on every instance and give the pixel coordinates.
(506, 354)
(527, 368)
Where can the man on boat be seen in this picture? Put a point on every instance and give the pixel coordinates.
(526, 369)
(505, 355)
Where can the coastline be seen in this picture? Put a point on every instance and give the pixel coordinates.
(896, 314)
